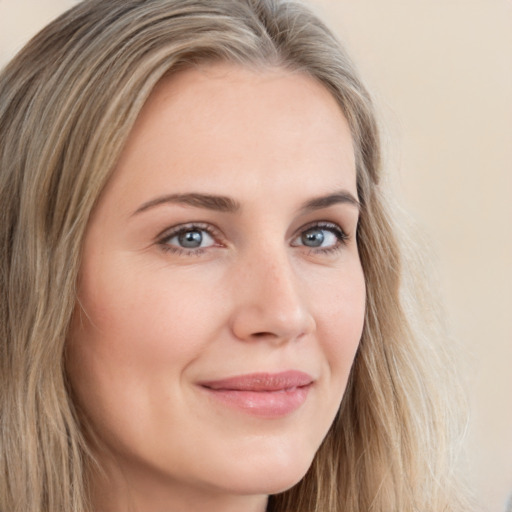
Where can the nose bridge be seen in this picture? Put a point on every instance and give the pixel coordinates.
(270, 301)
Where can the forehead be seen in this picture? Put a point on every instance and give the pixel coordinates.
(205, 125)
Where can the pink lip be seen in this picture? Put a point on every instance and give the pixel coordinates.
(268, 395)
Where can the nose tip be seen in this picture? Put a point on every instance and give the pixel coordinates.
(270, 306)
(255, 323)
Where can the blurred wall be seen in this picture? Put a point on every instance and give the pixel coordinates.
(441, 71)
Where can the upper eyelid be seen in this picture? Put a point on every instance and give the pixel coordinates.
(186, 226)
(218, 235)
(326, 224)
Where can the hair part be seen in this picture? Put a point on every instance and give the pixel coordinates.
(68, 102)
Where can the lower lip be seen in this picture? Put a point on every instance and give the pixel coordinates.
(265, 404)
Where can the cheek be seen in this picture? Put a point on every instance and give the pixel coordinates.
(340, 314)
(130, 349)
(133, 328)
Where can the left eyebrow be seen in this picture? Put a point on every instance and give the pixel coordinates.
(340, 197)
(206, 201)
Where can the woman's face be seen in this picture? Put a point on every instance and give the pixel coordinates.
(221, 296)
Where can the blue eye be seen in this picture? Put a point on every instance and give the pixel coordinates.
(314, 237)
(321, 236)
(188, 238)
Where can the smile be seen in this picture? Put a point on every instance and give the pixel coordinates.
(262, 394)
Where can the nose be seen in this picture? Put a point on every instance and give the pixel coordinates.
(270, 302)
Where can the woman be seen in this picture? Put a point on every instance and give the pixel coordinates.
(203, 300)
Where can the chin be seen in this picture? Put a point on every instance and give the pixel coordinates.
(273, 477)
(283, 483)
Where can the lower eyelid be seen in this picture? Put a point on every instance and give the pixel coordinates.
(163, 239)
(180, 251)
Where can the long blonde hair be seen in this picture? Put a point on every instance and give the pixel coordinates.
(67, 104)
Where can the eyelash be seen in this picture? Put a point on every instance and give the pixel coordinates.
(341, 236)
(163, 240)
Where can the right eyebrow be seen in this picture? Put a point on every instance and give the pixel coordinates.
(206, 201)
(339, 197)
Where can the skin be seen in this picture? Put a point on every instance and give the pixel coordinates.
(155, 319)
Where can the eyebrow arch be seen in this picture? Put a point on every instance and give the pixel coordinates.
(207, 201)
(229, 205)
(342, 196)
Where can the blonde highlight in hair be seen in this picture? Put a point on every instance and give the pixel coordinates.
(68, 102)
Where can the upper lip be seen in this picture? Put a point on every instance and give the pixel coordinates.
(261, 381)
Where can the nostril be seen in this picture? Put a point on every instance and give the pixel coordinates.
(272, 335)
(262, 334)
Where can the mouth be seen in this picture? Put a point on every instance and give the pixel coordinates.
(267, 395)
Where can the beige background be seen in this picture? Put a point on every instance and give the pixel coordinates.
(441, 71)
